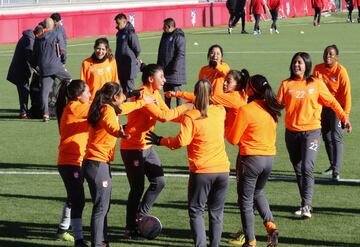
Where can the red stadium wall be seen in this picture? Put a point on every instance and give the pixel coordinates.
(95, 23)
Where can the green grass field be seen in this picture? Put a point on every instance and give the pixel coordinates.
(30, 203)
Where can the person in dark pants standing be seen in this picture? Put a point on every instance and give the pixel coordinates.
(254, 130)
(171, 57)
(317, 5)
(257, 7)
(273, 6)
(127, 53)
(202, 131)
(337, 80)
(20, 69)
(236, 10)
(303, 96)
(50, 56)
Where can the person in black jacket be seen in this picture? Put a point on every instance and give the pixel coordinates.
(127, 53)
(49, 57)
(171, 56)
(236, 10)
(20, 69)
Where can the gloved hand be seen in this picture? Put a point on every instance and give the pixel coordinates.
(136, 93)
(153, 138)
(213, 64)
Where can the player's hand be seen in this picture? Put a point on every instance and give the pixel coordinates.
(170, 94)
(153, 138)
(348, 126)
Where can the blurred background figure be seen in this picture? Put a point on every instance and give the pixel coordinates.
(171, 57)
(20, 69)
(236, 10)
(59, 27)
(274, 6)
(317, 5)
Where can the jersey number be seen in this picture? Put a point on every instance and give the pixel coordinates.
(300, 94)
(314, 146)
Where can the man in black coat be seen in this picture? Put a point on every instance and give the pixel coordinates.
(236, 10)
(127, 53)
(50, 57)
(20, 69)
(171, 56)
(59, 26)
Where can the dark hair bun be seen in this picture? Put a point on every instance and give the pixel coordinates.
(142, 67)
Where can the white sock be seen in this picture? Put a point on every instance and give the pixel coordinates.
(65, 217)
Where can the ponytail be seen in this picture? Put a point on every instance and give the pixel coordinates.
(103, 96)
(263, 91)
(202, 91)
(69, 90)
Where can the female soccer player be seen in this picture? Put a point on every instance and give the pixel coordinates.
(216, 70)
(337, 80)
(232, 96)
(141, 159)
(72, 108)
(303, 97)
(317, 5)
(257, 7)
(202, 131)
(100, 67)
(254, 130)
(103, 133)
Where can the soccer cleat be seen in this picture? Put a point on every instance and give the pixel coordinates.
(65, 237)
(229, 30)
(306, 212)
(23, 115)
(271, 31)
(244, 32)
(255, 33)
(277, 31)
(273, 238)
(328, 171)
(239, 240)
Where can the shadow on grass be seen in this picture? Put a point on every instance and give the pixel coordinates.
(46, 167)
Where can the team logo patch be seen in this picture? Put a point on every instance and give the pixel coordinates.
(76, 175)
(136, 163)
(108, 69)
(311, 90)
(105, 184)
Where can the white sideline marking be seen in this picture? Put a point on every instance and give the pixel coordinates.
(277, 178)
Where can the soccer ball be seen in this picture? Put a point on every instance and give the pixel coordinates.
(149, 227)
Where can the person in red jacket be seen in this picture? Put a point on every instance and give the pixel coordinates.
(317, 5)
(273, 6)
(202, 131)
(257, 7)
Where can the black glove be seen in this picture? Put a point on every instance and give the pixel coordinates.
(136, 93)
(153, 138)
(213, 64)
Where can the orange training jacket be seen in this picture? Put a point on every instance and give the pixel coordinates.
(303, 103)
(97, 74)
(231, 101)
(204, 138)
(144, 119)
(73, 133)
(337, 80)
(254, 130)
(215, 76)
(102, 138)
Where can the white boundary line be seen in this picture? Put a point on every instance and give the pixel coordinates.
(276, 178)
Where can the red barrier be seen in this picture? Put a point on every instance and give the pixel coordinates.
(95, 23)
